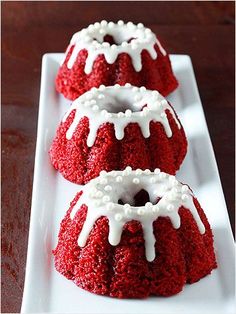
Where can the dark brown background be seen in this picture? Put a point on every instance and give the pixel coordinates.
(205, 31)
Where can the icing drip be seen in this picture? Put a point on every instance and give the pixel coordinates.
(102, 105)
(92, 39)
(101, 196)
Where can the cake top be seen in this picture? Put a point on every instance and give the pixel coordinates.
(103, 194)
(120, 105)
(128, 38)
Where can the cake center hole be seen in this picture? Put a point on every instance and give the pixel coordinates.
(115, 39)
(119, 101)
(140, 199)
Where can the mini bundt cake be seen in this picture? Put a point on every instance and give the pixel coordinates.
(108, 54)
(110, 128)
(131, 234)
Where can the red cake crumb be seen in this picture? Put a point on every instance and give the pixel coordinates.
(182, 256)
(155, 74)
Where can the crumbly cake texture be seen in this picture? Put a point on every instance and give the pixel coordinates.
(114, 53)
(92, 254)
(113, 127)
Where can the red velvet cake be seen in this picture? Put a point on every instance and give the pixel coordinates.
(110, 128)
(132, 234)
(115, 53)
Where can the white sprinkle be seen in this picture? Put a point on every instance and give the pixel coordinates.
(170, 208)
(104, 23)
(111, 24)
(104, 112)
(103, 180)
(99, 194)
(148, 205)
(88, 96)
(138, 172)
(87, 103)
(101, 96)
(127, 209)
(102, 31)
(102, 87)
(108, 188)
(105, 45)
(120, 22)
(124, 44)
(127, 206)
(106, 198)
(141, 211)
(103, 173)
(84, 32)
(143, 89)
(130, 24)
(146, 110)
(147, 171)
(120, 114)
(128, 168)
(117, 86)
(140, 25)
(163, 115)
(119, 179)
(175, 182)
(155, 208)
(135, 89)
(157, 171)
(174, 190)
(113, 47)
(97, 203)
(153, 180)
(118, 217)
(110, 206)
(184, 188)
(136, 181)
(95, 108)
(128, 85)
(134, 46)
(97, 25)
(108, 115)
(155, 94)
(137, 97)
(91, 27)
(93, 102)
(128, 113)
(184, 197)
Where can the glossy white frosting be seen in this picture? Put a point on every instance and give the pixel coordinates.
(120, 105)
(101, 196)
(92, 39)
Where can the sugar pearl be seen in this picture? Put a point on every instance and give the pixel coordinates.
(136, 181)
(106, 198)
(108, 188)
(119, 179)
(118, 217)
(110, 206)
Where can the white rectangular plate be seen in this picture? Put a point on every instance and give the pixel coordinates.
(47, 291)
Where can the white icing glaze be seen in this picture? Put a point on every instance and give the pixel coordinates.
(120, 105)
(101, 196)
(92, 39)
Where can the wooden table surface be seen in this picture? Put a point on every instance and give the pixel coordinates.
(203, 30)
